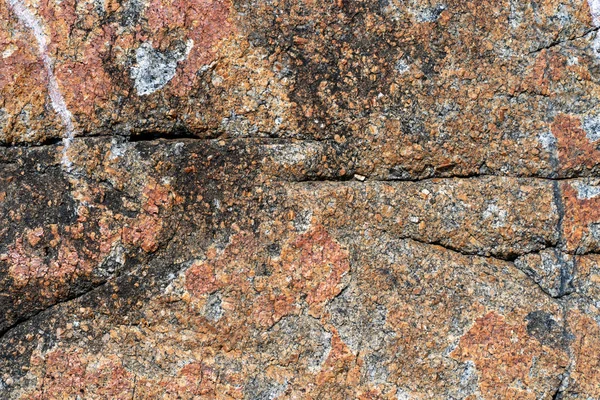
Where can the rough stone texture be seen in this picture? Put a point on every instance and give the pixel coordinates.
(299, 199)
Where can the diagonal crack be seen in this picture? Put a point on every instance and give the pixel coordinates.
(560, 42)
(23, 320)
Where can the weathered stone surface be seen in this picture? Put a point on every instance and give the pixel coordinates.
(299, 199)
(487, 216)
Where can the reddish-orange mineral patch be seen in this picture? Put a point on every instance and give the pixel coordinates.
(548, 68)
(315, 264)
(71, 372)
(195, 380)
(503, 355)
(93, 46)
(221, 269)
(575, 150)
(340, 359)
(61, 373)
(579, 214)
(200, 279)
(205, 22)
(311, 269)
(27, 262)
(585, 376)
(144, 231)
(23, 80)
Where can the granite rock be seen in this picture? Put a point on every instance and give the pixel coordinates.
(299, 199)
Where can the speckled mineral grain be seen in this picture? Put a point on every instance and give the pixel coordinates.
(299, 199)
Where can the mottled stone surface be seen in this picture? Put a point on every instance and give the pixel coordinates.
(299, 199)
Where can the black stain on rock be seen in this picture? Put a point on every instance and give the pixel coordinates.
(542, 326)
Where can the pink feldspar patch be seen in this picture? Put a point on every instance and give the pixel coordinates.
(93, 49)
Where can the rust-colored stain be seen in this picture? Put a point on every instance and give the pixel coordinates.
(143, 232)
(57, 257)
(222, 267)
(29, 262)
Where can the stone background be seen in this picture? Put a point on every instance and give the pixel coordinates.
(260, 199)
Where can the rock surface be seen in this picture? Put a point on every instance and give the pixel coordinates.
(299, 199)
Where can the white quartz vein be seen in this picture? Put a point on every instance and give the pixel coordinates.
(27, 18)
